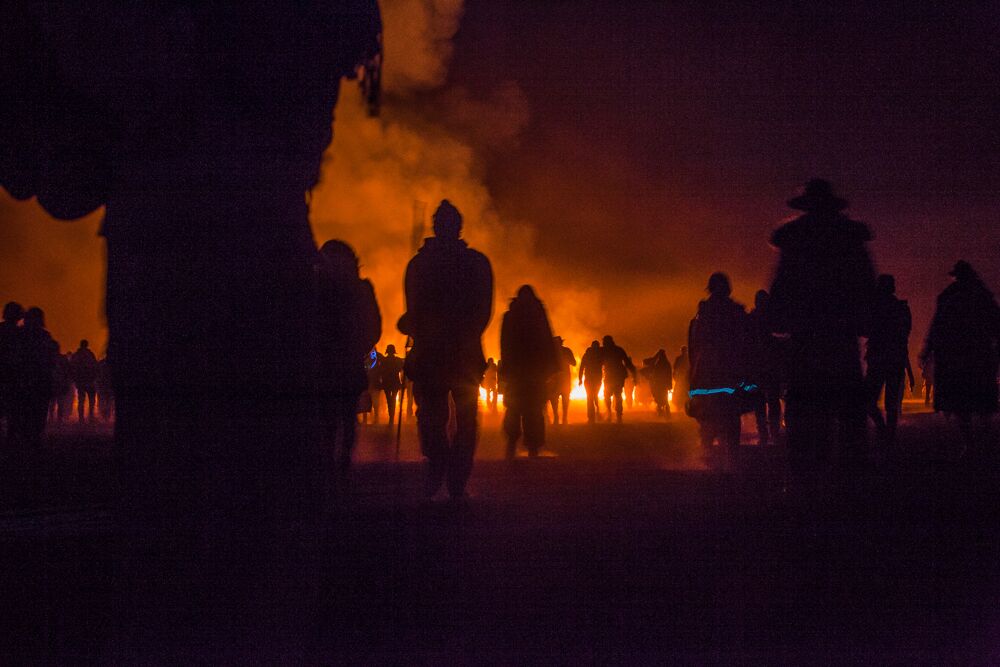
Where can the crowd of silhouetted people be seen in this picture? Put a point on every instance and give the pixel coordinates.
(793, 360)
(39, 383)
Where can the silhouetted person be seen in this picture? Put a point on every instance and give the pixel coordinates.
(13, 313)
(374, 374)
(561, 384)
(491, 383)
(822, 297)
(33, 387)
(200, 129)
(105, 391)
(449, 302)
(887, 356)
(717, 344)
(658, 372)
(529, 361)
(927, 375)
(61, 404)
(617, 367)
(591, 376)
(766, 365)
(682, 379)
(391, 379)
(963, 343)
(83, 368)
(349, 325)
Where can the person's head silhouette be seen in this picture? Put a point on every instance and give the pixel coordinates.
(718, 285)
(447, 221)
(84, 344)
(13, 312)
(963, 271)
(608, 341)
(760, 298)
(885, 284)
(390, 350)
(340, 258)
(34, 318)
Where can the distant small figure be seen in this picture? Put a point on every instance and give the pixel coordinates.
(964, 344)
(682, 379)
(561, 383)
(490, 384)
(33, 387)
(887, 356)
(61, 403)
(449, 301)
(927, 375)
(822, 297)
(766, 359)
(591, 376)
(658, 372)
(617, 367)
(83, 368)
(717, 341)
(391, 379)
(349, 325)
(13, 313)
(529, 360)
(373, 397)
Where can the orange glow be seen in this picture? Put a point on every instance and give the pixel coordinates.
(579, 392)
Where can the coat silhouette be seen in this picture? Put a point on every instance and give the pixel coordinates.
(822, 297)
(449, 301)
(528, 361)
(718, 347)
(963, 344)
(591, 376)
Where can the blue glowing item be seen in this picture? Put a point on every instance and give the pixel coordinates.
(373, 355)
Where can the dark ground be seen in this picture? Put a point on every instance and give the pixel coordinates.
(620, 548)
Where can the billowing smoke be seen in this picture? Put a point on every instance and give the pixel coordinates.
(379, 172)
(423, 148)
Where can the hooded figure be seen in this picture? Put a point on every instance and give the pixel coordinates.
(822, 297)
(717, 345)
(591, 376)
(528, 360)
(348, 326)
(660, 376)
(449, 301)
(963, 345)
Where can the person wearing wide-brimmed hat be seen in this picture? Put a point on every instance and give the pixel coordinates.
(821, 297)
(963, 345)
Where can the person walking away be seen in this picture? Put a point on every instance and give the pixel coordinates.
(83, 367)
(561, 384)
(717, 344)
(765, 360)
(391, 380)
(660, 377)
(962, 345)
(530, 360)
(33, 385)
(61, 404)
(490, 384)
(821, 298)
(617, 367)
(591, 376)
(887, 357)
(348, 324)
(449, 302)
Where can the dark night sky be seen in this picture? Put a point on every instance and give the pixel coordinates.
(665, 138)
